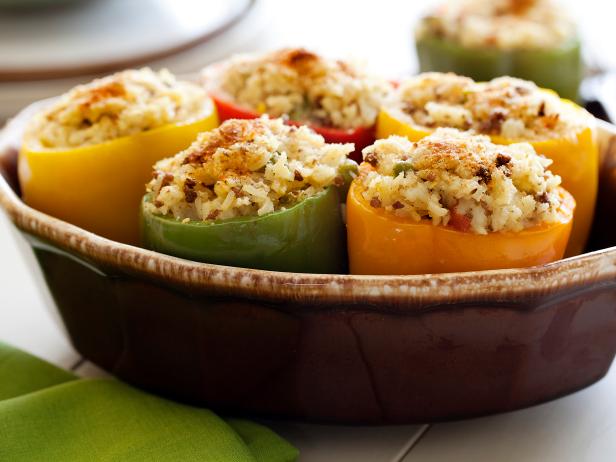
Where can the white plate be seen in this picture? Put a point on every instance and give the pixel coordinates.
(101, 34)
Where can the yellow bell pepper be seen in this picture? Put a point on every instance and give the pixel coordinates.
(575, 160)
(382, 243)
(99, 187)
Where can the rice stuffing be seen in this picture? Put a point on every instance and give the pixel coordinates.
(118, 105)
(502, 24)
(301, 85)
(496, 188)
(246, 168)
(512, 108)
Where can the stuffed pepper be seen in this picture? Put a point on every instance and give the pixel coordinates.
(253, 193)
(508, 110)
(86, 158)
(338, 99)
(454, 202)
(483, 39)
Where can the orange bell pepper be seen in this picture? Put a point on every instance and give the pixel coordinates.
(382, 243)
(99, 187)
(576, 161)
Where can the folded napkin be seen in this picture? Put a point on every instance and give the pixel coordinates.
(48, 414)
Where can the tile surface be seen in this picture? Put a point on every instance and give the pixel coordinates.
(26, 318)
(352, 444)
(87, 369)
(576, 428)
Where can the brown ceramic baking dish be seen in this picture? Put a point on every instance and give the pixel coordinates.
(337, 348)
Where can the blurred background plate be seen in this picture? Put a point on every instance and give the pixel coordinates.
(241, 30)
(32, 4)
(97, 35)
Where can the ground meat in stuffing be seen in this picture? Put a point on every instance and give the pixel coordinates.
(463, 180)
(246, 168)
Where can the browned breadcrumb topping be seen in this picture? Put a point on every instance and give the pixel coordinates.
(112, 89)
(246, 168)
(512, 108)
(463, 179)
(227, 136)
(301, 85)
(122, 104)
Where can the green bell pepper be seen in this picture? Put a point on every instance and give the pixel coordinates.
(308, 237)
(558, 69)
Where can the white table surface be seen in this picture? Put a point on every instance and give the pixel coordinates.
(580, 427)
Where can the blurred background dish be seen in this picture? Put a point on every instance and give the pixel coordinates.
(102, 35)
(325, 27)
(20, 5)
(532, 39)
(45, 51)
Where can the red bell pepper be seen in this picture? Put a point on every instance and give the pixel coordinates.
(361, 136)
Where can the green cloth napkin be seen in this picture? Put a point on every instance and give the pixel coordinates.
(48, 414)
